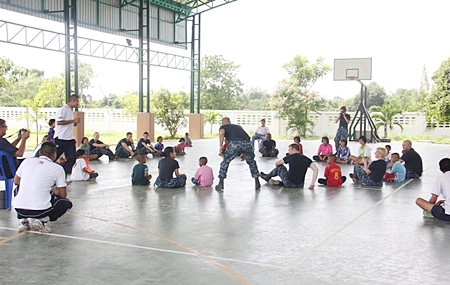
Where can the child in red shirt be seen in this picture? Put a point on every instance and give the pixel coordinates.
(333, 174)
(297, 140)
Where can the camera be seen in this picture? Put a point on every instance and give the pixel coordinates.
(22, 130)
(342, 111)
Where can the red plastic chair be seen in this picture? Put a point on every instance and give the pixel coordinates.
(8, 181)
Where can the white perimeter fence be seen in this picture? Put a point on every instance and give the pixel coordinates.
(113, 120)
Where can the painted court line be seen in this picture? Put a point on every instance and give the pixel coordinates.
(309, 252)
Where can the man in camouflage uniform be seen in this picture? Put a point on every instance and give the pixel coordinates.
(238, 143)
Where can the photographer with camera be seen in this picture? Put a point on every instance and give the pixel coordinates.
(342, 131)
(11, 148)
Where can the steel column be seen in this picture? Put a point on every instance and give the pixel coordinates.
(198, 64)
(141, 55)
(147, 62)
(195, 64)
(67, 47)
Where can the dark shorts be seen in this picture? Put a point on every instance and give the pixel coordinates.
(439, 213)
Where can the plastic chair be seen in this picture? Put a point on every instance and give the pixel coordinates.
(8, 181)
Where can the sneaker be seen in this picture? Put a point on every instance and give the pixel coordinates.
(351, 175)
(42, 227)
(275, 182)
(24, 227)
(427, 214)
(264, 176)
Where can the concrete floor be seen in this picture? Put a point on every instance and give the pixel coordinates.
(122, 234)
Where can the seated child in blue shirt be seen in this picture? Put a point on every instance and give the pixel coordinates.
(343, 153)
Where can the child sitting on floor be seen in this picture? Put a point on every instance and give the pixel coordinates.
(179, 149)
(159, 146)
(140, 175)
(81, 170)
(388, 156)
(87, 148)
(333, 174)
(325, 149)
(363, 152)
(204, 175)
(166, 168)
(297, 140)
(343, 153)
(440, 209)
(188, 140)
(398, 171)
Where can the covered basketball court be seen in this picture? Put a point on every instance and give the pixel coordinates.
(122, 234)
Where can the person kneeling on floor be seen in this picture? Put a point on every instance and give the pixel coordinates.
(35, 178)
(371, 175)
(333, 174)
(439, 209)
(295, 176)
(81, 170)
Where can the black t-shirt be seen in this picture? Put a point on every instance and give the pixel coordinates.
(234, 132)
(166, 167)
(413, 161)
(124, 140)
(142, 140)
(378, 169)
(91, 144)
(342, 122)
(268, 144)
(298, 165)
(11, 150)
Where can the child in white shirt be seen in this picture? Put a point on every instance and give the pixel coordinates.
(81, 170)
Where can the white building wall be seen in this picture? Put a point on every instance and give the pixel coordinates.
(113, 120)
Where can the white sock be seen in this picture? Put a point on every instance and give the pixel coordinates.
(45, 219)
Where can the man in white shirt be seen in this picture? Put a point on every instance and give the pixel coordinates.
(260, 134)
(439, 209)
(64, 138)
(41, 191)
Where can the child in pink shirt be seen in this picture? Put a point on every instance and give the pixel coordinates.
(179, 149)
(325, 149)
(204, 175)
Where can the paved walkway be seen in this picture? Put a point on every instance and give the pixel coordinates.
(120, 234)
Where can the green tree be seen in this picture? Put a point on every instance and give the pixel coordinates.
(212, 117)
(130, 103)
(220, 87)
(10, 73)
(437, 103)
(385, 116)
(52, 92)
(293, 97)
(409, 99)
(257, 100)
(26, 87)
(376, 96)
(34, 116)
(170, 110)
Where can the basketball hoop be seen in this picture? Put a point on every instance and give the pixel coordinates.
(351, 78)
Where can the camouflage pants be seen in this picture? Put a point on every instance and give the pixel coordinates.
(235, 148)
(341, 134)
(176, 182)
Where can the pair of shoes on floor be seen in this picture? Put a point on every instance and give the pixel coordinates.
(275, 182)
(42, 227)
(264, 176)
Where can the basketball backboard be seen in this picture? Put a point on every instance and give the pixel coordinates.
(352, 69)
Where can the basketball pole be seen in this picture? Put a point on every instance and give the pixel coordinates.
(362, 118)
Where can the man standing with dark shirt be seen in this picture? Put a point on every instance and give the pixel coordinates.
(238, 143)
(412, 160)
(295, 176)
(342, 131)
